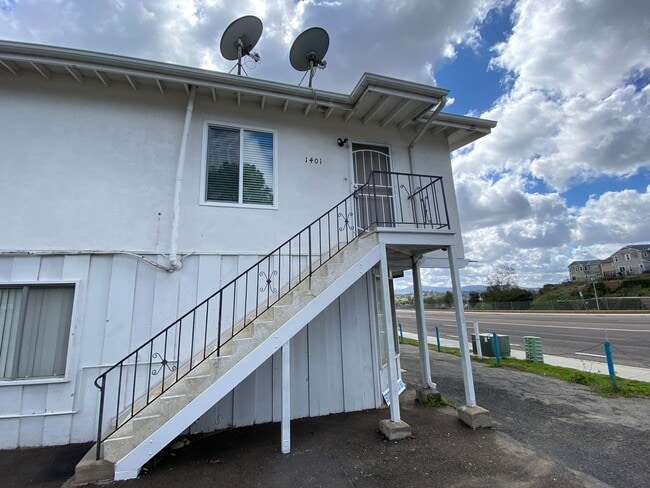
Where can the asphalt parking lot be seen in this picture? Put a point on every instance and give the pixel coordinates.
(547, 433)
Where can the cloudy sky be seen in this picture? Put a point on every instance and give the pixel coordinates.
(564, 176)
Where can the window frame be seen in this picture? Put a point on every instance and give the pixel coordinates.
(203, 200)
(67, 375)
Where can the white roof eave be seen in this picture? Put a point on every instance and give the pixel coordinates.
(383, 88)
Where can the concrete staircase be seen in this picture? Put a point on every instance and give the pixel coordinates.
(127, 449)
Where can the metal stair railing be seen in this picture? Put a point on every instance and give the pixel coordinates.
(385, 200)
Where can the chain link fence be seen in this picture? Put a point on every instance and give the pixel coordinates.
(591, 304)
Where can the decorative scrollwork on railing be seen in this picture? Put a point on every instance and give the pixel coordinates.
(346, 221)
(268, 281)
(163, 364)
(408, 193)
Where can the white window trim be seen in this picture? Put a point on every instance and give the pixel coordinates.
(204, 156)
(66, 378)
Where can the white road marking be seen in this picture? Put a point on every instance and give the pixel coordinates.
(588, 354)
(487, 322)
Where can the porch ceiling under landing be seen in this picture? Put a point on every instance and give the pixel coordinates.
(405, 245)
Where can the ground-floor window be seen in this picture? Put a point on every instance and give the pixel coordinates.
(34, 330)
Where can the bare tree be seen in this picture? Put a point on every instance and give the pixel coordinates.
(503, 278)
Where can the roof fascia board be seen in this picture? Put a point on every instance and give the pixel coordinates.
(168, 72)
(154, 70)
(464, 122)
(407, 89)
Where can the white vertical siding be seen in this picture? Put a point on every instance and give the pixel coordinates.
(321, 383)
(121, 302)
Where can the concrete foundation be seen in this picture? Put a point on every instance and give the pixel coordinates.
(475, 417)
(426, 395)
(394, 431)
(91, 470)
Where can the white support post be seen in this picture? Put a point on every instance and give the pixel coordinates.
(286, 398)
(466, 365)
(479, 351)
(389, 337)
(423, 340)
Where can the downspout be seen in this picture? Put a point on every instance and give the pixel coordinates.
(425, 127)
(424, 351)
(174, 261)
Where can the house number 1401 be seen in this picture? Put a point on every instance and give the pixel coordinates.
(313, 160)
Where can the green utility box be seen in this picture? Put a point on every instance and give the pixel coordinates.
(533, 348)
(487, 345)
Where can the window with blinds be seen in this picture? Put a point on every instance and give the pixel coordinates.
(34, 330)
(240, 166)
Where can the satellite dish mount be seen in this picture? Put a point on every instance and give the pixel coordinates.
(239, 39)
(308, 51)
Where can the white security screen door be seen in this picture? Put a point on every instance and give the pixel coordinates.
(375, 201)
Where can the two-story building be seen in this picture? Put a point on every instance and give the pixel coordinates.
(627, 261)
(184, 251)
(589, 270)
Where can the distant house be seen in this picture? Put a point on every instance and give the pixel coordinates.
(586, 270)
(627, 261)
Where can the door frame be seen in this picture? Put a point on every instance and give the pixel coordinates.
(352, 172)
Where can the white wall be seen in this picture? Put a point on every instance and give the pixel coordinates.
(122, 301)
(90, 167)
(333, 370)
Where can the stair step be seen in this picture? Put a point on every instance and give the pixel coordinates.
(90, 470)
(115, 448)
(171, 402)
(146, 422)
(208, 372)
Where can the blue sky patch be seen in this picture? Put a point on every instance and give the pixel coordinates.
(578, 195)
(7, 5)
(475, 86)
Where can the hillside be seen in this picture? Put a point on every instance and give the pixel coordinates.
(633, 286)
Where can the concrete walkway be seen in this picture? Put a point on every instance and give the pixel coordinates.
(628, 372)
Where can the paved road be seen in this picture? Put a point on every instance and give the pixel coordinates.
(573, 335)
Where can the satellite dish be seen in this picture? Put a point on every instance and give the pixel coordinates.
(308, 51)
(239, 39)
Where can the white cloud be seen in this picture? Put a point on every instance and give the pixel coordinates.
(485, 202)
(390, 37)
(576, 47)
(573, 110)
(614, 217)
(573, 113)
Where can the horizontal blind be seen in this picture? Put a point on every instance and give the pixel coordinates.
(258, 175)
(223, 157)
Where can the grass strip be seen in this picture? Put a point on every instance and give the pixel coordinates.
(598, 383)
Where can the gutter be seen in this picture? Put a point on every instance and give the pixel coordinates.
(174, 261)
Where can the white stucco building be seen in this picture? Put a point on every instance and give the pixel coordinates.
(132, 191)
